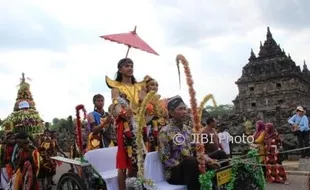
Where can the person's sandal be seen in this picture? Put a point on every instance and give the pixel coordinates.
(286, 183)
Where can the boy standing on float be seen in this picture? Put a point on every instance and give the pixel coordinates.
(125, 87)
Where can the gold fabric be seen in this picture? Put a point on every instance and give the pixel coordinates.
(131, 91)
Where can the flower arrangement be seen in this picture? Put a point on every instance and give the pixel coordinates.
(247, 175)
(134, 183)
(78, 128)
(196, 120)
(140, 182)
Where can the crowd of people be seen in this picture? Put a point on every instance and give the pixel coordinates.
(270, 145)
(26, 162)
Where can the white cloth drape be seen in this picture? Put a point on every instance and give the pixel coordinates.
(104, 161)
(4, 178)
(153, 169)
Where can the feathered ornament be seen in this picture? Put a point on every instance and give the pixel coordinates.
(204, 101)
(196, 120)
(78, 128)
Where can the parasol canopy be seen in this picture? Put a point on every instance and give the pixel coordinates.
(130, 39)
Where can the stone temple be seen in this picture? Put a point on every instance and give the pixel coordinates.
(270, 88)
(272, 84)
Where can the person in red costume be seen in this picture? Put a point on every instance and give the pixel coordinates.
(27, 166)
(6, 162)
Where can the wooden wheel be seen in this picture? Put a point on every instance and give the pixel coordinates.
(70, 181)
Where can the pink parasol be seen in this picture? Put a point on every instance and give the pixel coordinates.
(130, 39)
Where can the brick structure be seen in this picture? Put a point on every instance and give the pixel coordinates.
(271, 83)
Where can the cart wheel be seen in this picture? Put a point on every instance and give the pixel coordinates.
(29, 176)
(70, 181)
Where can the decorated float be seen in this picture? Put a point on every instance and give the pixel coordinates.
(25, 117)
(103, 171)
(243, 174)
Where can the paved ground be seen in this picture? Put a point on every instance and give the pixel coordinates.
(296, 182)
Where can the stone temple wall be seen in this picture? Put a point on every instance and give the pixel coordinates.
(270, 88)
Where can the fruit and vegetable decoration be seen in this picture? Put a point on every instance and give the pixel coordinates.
(25, 118)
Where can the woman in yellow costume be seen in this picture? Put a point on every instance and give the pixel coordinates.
(125, 88)
(156, 116)
(259, 137)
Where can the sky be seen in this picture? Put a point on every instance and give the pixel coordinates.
(57, 45)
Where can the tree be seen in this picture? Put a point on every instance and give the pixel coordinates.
(220, 110)
(61, 124)
(25, 120)
(55, 121)
(66, 131)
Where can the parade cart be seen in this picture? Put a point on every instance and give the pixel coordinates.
(73, 179)
(81, 176)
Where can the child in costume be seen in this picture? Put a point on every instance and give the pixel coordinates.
(126, 87)
(156, 116)
(101, 126)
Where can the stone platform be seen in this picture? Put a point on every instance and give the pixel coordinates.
(297, 167)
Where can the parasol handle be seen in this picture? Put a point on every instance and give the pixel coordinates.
(134, 32)
(128, 51)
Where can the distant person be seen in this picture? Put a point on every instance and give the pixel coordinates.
(300, 127)
(259, 137)
(275, 172)
(225, 139)
(213, 148)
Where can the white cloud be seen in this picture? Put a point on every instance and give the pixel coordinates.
(63, 79)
